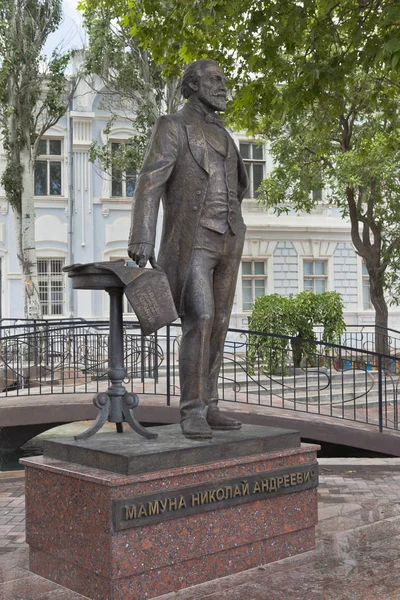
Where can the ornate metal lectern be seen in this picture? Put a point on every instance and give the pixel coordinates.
(116, 404)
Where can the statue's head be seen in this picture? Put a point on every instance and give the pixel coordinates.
(204, 81)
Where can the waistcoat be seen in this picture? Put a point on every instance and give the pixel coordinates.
(221, 205)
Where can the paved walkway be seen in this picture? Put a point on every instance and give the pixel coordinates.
(357, 555)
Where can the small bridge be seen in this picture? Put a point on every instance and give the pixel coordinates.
(338, 394)
(32, 415)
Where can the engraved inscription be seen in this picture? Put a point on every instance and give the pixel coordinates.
(148, 303)
(154, 508)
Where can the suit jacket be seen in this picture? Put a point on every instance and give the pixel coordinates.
(176, 170)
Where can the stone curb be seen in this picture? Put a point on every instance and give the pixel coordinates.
(7, 475)
(361, 462)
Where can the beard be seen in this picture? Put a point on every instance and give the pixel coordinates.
(215, 101)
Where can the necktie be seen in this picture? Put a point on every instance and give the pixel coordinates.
(214, 119)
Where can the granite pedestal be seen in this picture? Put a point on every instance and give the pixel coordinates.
(173, 512)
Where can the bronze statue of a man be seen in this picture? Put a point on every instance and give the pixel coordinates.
(193, 164)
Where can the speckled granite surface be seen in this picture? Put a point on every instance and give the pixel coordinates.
(72, 541)
(357, 555)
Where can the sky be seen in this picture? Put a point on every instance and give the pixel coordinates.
(70, 34)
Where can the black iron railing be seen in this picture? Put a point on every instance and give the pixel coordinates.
(368, 337)
(71, 356)
(68, 356)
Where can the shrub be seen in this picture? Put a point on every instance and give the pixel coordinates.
(292, 319)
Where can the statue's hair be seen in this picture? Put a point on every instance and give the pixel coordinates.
(192, 74)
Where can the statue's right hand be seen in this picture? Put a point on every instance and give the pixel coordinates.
(141, 253)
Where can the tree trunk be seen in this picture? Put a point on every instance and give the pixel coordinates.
(369, 247)
(173, 95)
(297, 352)
(381, 312)
(25, 227)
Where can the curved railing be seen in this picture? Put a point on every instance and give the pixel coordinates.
(266, 370)
(368, 337)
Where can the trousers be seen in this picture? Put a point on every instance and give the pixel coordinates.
(207, 300)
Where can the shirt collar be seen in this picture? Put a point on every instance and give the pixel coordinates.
(199, 109)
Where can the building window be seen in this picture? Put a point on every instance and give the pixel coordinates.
(122, 182)
(51, 286)
(366, 288)
(254, 161)
(254, 282)
(317, 195)
(314, 276)
(48, 168)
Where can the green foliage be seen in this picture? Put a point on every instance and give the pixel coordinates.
(330, 315)
(11, 180)
(320, 80)
(33, 96)
(296, 317)
(271, 314)
(264, 44)
(128, 156)
(32, 91)
(132, 85)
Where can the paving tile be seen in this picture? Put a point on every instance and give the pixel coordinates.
(28, 588)
(357, 556)
(11, 573)
(20, 527)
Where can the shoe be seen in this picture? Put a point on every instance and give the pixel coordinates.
(196, 428)
(217, 420)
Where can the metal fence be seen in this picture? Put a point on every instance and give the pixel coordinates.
(263, 370)
(367, 337)
(50, 357)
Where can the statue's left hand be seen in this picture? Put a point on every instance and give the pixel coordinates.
(141, 253)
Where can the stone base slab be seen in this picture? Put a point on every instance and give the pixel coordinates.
(131, 454)
(74, 541)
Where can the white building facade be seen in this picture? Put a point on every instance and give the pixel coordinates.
(83, 215)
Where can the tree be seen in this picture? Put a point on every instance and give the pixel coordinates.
(133, 87)
(295, 316)
(248, 37)
(321, 81)
(33, 96)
